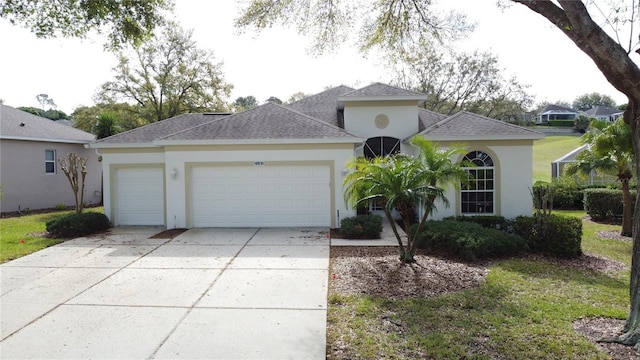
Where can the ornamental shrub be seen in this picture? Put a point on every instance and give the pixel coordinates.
(75, 225)
(551, 235)
(361, 227)
(469, 240)
(561, 123)
(487, 221)
(603, 204)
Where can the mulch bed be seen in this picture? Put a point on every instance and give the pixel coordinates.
(597, 328)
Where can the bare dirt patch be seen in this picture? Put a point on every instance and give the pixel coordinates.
(597, 328)
(377, 271)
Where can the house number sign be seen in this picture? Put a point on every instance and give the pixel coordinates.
(258, 163)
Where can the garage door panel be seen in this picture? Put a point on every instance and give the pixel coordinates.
(140, 196)
(260, 196)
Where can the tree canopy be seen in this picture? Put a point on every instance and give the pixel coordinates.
(456, 81)
(243, 103)
(126, 115)
(587, 101)
(168, 76)
(123, 21)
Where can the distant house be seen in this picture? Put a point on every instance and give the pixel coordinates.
(555, 112)
(603, 113)
(30, 175)
(558, 167)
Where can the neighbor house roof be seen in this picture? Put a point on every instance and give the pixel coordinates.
(466, 125)
(323, 105)
(148, 133)
(556, 109)
(603, 110)
(265, 122)
(19, 125)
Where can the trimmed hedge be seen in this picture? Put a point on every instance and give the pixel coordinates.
(75, 225)
(361, 227)
(603, 204)
(469, 240)
(561, 123)
(487, 221)
(568, 194)
(561, 236)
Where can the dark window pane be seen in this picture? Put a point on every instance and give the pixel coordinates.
(49, 167)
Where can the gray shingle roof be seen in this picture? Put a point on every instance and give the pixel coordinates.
(37, 128)
(603, 110)
(268, 121)
(468, 125)
(556, 108)
(379, 89)
(427, 118)
(323, 105)
(149, 133)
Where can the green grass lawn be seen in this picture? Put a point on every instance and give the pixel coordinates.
(525, 310)
(19, 235)
(547, 150)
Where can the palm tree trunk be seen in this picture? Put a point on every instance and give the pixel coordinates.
(403, 253)
(627, 217)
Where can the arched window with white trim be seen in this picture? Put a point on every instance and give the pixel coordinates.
(478, 195)
(381, 146)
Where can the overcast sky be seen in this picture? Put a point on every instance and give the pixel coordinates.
(276, 62)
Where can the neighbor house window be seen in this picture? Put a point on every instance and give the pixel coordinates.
(477, 196)
(50, 161)
(381, 146)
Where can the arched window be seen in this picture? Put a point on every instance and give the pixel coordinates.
(478, 196)
(381, 146)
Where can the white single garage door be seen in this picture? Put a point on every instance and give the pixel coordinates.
(140, 196)
(260, 196)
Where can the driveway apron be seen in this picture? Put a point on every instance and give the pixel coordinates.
(206, 294)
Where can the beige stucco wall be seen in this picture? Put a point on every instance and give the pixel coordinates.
(359, 118)
(25, 185)
(513, 163)
(183, 158)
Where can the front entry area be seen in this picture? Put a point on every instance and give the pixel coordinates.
(260, 196)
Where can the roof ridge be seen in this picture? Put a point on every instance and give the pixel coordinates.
(320, 93)
(141, 128)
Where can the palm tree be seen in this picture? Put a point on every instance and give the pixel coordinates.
(442, 171)
(106, 125)
(401, 181)
(610, 151)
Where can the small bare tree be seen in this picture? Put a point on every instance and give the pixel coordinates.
(74, 167)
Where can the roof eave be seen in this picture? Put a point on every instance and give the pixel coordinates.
(348, 140)
(120, 145)
(28, 138)
(537, 136)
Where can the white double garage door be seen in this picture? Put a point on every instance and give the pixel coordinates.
(230, 196)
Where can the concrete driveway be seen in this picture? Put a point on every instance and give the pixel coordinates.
(208, 293)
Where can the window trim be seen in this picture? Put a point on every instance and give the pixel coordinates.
(482, 156)
(47, 161)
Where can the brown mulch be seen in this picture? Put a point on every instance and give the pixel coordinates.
(587, 261)
(613, 235)
(597, 328)
(168, 234)
(377, 271)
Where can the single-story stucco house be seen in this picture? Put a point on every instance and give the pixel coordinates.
(30, 175)
(277, 165)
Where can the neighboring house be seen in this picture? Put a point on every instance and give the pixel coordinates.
(603, 113)
(277, 165)
(30, 174)
(557, 168)
(555, 112)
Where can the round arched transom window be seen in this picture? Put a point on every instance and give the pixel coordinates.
(478, 195)
(381, 146)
